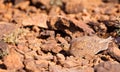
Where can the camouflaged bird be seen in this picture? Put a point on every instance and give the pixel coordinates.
(88, 46)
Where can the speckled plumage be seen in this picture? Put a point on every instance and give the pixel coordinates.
(88, 46)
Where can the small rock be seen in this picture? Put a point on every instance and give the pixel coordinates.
(64, 43)
(30, 54)
(30, 65)
(114, 51)
(2, 70)
(42, 63)
(43, 56)
(69, 64)
(3, 49)
(78, 69)
(80, 5)
(22, 46)
(8, 15)
(47, 33)
(6, 28)
(117, 40)
(56, 49)
(55, 68)
(51, 45)
(72, 62)
(13, 60)
(74, 6)
(107, 67)
(37, 20)
(33, 43)
(22, 5)
(60, 57)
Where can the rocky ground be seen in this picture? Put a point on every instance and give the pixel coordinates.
(59, 35)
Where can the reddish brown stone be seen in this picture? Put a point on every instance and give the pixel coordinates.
(13, 60)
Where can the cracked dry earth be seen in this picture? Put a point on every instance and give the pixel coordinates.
(59, 35)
